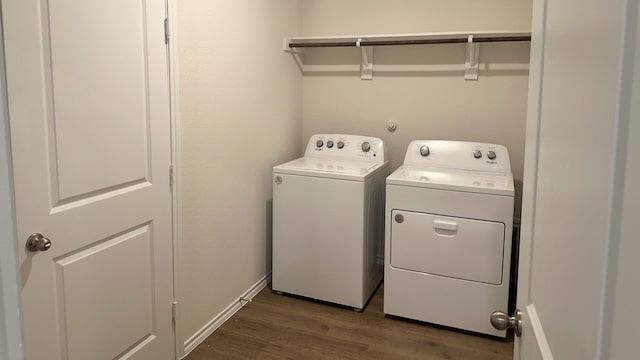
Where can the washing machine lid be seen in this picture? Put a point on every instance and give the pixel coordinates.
(455, 180)
(329, 168)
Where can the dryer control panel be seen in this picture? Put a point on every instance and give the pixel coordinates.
(347, 147)
(460, 155)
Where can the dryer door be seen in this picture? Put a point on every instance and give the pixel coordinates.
(446, 246)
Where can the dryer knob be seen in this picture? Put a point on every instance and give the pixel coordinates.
(424, 150)
(477, 154)
(329, 144)
(366, 146)
(340, 144)
(319, 143)
(491, 155)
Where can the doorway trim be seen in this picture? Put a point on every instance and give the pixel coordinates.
(176, 155)
(536, 70)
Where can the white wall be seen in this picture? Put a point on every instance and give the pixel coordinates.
(420, 87)
(240, 113)
(10, 336)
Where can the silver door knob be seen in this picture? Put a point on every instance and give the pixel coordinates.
(501, 321)
(37, 242)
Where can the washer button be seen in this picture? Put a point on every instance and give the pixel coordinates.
(366, 146)
(477, 154)
(319, 143)
(329, 144)
(340, 144)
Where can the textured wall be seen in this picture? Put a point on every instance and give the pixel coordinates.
(240, 113)
(421, 87)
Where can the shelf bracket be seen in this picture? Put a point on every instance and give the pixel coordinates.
(296, 53)
(287, 49)
(366, 64)
(471, 64)
(285, 45)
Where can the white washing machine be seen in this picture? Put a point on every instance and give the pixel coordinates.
(449, 218)
(328, 220)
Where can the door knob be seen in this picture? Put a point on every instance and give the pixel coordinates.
(501, 321)
(37, 242)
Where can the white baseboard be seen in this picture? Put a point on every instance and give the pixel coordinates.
(223, 316)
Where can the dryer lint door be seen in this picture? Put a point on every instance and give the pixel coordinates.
(453, 247)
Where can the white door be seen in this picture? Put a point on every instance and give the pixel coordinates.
(575, 84)
(90, 131)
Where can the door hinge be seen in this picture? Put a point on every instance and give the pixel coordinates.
(174, 313)
(167, 30)
(171, 176)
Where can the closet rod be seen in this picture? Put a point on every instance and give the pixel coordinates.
(408, 42)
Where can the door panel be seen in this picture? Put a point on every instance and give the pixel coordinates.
(98, 72)
(568, 176)
(114, 277)
(454, 247)
(90, 132)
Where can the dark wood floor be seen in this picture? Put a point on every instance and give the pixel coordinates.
(284, 327)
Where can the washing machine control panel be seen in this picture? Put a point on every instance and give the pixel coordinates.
(347, 147)
(459, 155)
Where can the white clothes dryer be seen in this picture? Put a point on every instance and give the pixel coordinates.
(449, 218)
(328, 220)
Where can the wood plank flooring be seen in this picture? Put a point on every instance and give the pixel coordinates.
(285, 327)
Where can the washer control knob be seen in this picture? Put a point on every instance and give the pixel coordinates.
(477, 154)
(329, 144)
(366, 146)
(491, 154)
(424, 150)
(319, 143)
(340, 144)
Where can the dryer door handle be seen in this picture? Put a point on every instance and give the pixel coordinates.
(445, 225)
